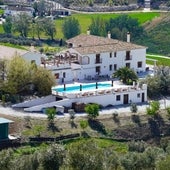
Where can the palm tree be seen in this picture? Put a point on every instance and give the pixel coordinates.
(126, 75)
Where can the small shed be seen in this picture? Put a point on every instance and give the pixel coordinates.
(4, 126)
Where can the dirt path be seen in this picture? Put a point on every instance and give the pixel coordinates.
(9, 52)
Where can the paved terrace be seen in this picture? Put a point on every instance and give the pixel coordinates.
(115, 87)
(124, 110)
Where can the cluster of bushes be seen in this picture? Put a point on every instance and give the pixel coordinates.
(87, 155)
(18, 40)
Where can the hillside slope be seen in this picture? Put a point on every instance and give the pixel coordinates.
(157, 36)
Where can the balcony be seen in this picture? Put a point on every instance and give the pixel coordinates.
(128, 57)
(98, 61)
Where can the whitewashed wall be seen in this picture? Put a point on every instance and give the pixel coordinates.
(36, 101)
(104, 100)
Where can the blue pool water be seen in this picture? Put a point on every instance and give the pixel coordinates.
(83, 87)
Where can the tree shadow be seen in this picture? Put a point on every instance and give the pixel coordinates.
(136, 119)
(73, 124)
(52, 127)
(84, 134)
(97, 126)
(154, 127)
(116, 119)
(159, 119)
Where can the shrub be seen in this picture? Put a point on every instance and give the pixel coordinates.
(137, 146)
(154, 108)
(92, 110)
(133, 107)
(72, 114)
(51, 112)
(83, 124)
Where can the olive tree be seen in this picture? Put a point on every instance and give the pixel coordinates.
(49, 28)
(53, 157)
(43, 80)
(92, 110)
(18, 76)
(85, 156)
(23, 77)
(21, 23)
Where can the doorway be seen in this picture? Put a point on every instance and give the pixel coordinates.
(125, 99)
(143, 97)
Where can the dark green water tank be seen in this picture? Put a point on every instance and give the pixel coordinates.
(4, 126)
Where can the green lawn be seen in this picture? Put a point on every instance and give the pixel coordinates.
(85, 19)
(1, 29)
(144, 17)
(120, 147)
(1, 11)
(13, 46)
(161, 61)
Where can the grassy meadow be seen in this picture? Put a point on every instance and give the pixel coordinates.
(85, 19)
(161, 61)
(120, 147)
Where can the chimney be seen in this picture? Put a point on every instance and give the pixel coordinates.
(88, 31)
(128, 37)
(109, 35)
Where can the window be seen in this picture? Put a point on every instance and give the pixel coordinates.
(56, 75)
(115, 54)
(110, 67)
(128, 65)
(139, 64)
(98, 58)
(64, 75)
(128, 56)
(118, 98)
(98, 69)
(110, 55)
(138, 95)
(115, 67)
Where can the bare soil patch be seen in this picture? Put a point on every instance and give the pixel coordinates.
(132, 127)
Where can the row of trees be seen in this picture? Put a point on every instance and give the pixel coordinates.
(24, 25)
(118, 27)
(27, 26)
(19, 77)
(87, 155)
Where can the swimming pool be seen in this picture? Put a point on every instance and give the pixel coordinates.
(81, 87)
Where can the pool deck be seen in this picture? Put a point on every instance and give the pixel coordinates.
(115, 86)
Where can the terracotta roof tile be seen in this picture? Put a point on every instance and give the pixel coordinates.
(88, 44)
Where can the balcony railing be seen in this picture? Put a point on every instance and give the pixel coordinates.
(98, 61)
(129, 57)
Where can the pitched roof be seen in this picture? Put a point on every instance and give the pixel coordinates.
(88, 44)
(3, 120)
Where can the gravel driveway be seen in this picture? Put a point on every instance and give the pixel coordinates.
(9, 52)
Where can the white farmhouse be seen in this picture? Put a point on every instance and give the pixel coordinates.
(91, 57)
